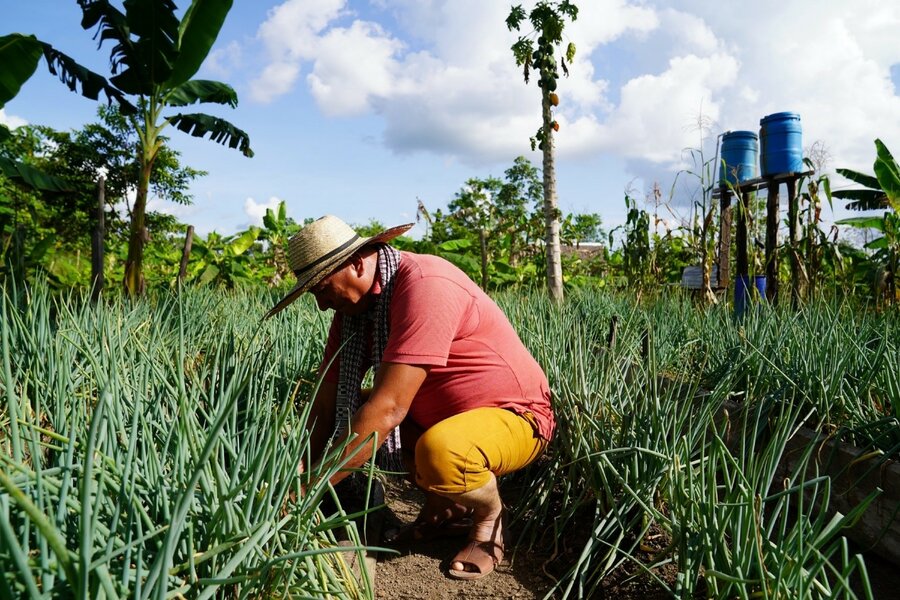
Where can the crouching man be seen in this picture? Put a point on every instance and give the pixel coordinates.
(457, 398)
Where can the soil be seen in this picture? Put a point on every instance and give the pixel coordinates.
(419, 570)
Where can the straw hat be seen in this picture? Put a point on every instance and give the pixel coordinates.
(320, 248)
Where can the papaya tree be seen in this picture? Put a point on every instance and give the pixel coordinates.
(153, 56)
(537, 51)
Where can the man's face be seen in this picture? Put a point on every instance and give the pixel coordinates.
(341, 291)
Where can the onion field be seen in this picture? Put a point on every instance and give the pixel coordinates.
(150, 449)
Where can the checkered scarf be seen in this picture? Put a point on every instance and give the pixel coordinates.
(353, 338)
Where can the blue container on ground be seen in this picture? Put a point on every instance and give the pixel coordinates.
(740, 150)
(744, 294)
(781, 141)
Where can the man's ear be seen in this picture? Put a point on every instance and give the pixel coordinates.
(358, 263)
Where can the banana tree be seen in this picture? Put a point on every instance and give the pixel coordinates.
(278, 227)
(152, 59)
(223, 259)
(882, 192)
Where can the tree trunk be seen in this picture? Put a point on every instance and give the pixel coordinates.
(134, 271)
(97, 242)
(551, 213)
(186, 253)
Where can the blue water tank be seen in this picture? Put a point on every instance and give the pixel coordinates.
(781, 139)
(740, 150)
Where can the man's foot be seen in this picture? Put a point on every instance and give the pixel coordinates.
(483, 552)
(439, 518)
(476, 560)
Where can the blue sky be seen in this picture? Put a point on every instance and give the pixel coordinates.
(359, 108)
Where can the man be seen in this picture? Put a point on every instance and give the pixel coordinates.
(454, 387)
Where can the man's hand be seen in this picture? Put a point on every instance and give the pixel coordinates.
(395, 387)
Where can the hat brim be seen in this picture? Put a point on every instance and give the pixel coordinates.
(326, 268)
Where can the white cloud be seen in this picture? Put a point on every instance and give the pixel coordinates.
(276, 79)
(257, 210)
(11, 121)
(441, 76)
(688, 90)
(354, 65)
(222, 61)
(291, 35)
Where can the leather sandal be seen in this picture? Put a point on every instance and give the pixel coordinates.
(478, 559)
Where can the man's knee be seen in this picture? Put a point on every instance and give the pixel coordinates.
(446, 464)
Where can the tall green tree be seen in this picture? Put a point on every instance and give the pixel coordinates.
(152, 59)
(548, 21)
(66, 214)
(881, 192)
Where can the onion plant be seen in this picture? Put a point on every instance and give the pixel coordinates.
(679, 423)
(151, 450)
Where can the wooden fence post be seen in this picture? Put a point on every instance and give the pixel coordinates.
(186, 253)
(793, 216)
(772, 210)
(97, 280)
(740, 239)
(724, 258)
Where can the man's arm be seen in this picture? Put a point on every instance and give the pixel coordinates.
(395, 387)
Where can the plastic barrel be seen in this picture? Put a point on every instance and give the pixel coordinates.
(740, 150)
(744, 294)
(781, 140)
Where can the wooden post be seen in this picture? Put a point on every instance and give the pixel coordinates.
(97, 281)
(484, 262)
(772, 218)
(740, 238)
(724, 258)
(793, 215)
(186, 253)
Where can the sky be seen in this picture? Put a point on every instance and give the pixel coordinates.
(359, 109)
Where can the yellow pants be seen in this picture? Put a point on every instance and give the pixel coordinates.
(456, 455)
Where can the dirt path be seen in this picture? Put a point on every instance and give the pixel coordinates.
(420, 570)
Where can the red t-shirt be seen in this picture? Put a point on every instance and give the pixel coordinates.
(440, 318)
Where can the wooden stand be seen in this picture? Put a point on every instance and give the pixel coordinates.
(743, 190)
